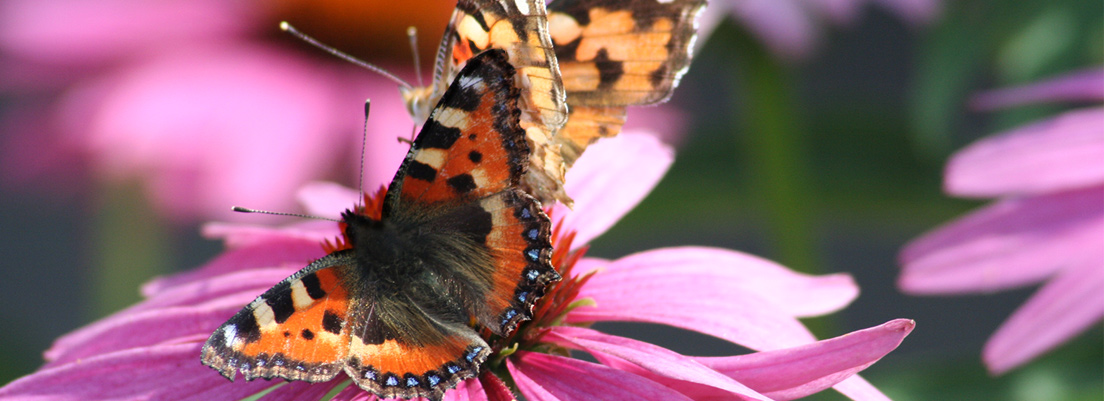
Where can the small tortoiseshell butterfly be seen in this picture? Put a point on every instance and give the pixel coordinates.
(457, 247)
(603, 55)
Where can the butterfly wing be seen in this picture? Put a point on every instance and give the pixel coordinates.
(410, 341)
(465, 167)
(521, 28)
(296, 330)
(617, 53)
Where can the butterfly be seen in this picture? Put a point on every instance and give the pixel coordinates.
(457, 247)
(595, 56)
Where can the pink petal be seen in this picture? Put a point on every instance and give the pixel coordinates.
(719, 271)
(291, 253)
(25, 133)
(147, 328)
(543, 377)
(858, 389)
(783, 25)
(237, 235)
(160, 372)
(1007, 244)
(1052, 155)
(208, 128)
(842, 12)
(468, 390)
(1086, 85)
(80, 32)
(495, 389)
(611, 178)
(328, 199)
(800, 371)
(706, 296)
(294, 391)
(1067, 305)
(184, 309)
(648, 360)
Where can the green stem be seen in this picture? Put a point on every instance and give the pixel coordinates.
(775, 138)
(131, 246)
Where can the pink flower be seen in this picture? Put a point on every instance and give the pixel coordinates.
(790, 27)
(176, 96)
(1048, 224)
(151, 350)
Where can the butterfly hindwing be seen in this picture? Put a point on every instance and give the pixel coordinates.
(411, 338)
(296, 330)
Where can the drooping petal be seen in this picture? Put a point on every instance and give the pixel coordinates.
(148, 328)
(291, 253)
(858, 389)
(702, 289)
(1085, 85)
(1007, 244)
(1064, 307)
(162, 372)
(651, 361)
(1057, 154)
(611, 178)
(187, 310)
(796, 372)
(716, 271)
(543, 377)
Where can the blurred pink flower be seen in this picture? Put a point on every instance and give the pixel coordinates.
(177, 96)
(1048, 224)
(151, 350)
(790, 28)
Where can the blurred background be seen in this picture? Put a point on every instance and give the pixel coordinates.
(810, 132)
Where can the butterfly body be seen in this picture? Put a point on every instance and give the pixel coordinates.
(455, 241)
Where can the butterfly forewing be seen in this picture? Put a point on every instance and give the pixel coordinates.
(472, 145)
(520, 27)
(617, 53)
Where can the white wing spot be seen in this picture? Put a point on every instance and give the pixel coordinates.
(299, 296)
(522, 6)
(470, 81)
(229, 333)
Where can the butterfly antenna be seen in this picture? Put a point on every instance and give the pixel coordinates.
(364, 146)
(286, 27)
(412, 34)
(240, 209)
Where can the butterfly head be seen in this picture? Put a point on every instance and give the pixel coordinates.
(419, 101)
